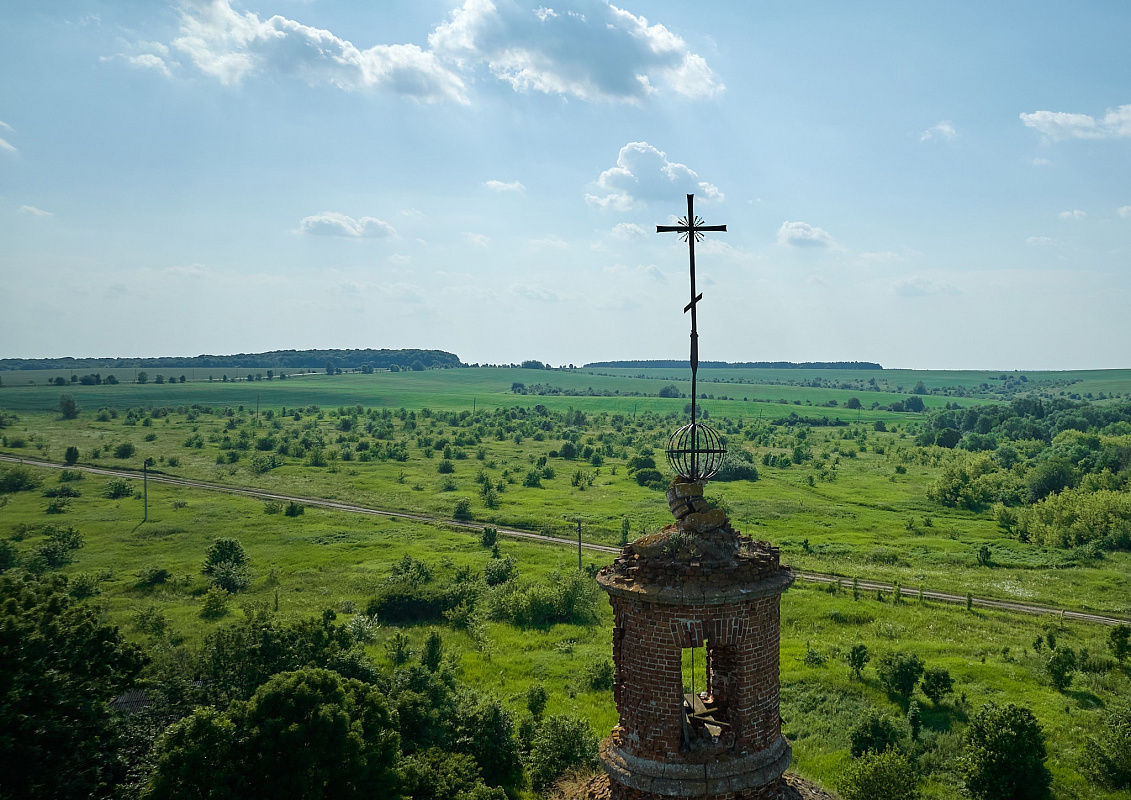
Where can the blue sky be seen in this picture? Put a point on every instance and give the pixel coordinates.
(923, 185)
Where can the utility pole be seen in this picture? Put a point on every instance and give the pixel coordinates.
(579, 544)
(257, 411)
(145, 487)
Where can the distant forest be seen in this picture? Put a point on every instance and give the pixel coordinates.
(677, 364)
(289, 359)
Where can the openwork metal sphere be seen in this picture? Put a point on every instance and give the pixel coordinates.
(696, 452)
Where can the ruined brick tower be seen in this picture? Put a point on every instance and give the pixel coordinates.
(696, 584)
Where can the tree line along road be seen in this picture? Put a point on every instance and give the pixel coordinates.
(813, 577)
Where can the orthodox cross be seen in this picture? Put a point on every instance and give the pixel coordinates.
(691, 230)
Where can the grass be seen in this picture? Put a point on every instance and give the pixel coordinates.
(857, 507)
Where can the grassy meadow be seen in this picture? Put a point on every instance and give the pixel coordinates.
(850, 500)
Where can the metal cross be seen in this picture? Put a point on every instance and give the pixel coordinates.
(691, 229)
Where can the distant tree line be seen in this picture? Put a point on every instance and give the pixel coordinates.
(289, 359)
(680, 363)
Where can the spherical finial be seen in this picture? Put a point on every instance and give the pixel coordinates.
(695, 452)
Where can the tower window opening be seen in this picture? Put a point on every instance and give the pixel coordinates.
(704, 717)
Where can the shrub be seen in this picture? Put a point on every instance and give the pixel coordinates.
(500, 570)
(69, 475)
(1107, 757)
(560, 743)
(83, 585)
(398, 649)
(294, 509)
(18, 479)
(215, 603)
(874, 733)
(59, 548)
(224, 550)
(887, 775)
(536, 698)
(462, 508)
(489, 537)
(858, 658)
(598, 675)
(1061, 665)
(649, 477)
(124, 450)
(152, 576)
(117, 489)
(71, 455)
(900, 672)
(272, 507)
(231, 578)
(62, 491)
(533, 479)
(1005, 755)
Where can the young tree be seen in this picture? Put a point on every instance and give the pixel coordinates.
(858, 658)
(1119, 639)
(1005, 755)
(561, 742)
(68, 407)
(1107, 757)
(874, 733)
(1061, 666)
(71, 455)
(936, 683)
(433, 651)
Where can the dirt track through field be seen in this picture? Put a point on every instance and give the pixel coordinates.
(475, 527)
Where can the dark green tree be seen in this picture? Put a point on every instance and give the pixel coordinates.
(874, 733)
(1005, 755)
(561, 743)
(886, 775)
(858, 658)
(61, 667)
(1061, 666)
(1107, 756)
(1119, 639)
(433, 651)
(936, 683)
(71, 455)
(68, 407)
(900, 672)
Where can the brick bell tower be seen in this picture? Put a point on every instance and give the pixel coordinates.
(696, 584)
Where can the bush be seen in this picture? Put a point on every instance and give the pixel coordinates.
(59, 549)
(231, 578)
(124, 450)
(1061, 665)
(18, 479)
(858, 658)
(533, 479)
(569, 598)
(489, 537)
(536, 699)
(881, 776)
(598, 675)
(462, 508)
(1005, 755)
(874, 733)
(560, 743)
(152, 576)
(224, 550)
(117, 489)
(215, 603)
(294, 509)
(649, 477)
(71, 455)
(900, 672)
(500, 570)
(1107, 757)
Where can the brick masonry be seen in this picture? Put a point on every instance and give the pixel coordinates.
(697, 583)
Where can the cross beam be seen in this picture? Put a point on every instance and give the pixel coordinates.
(691, 230)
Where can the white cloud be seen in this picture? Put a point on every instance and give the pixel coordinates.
(1040, 162)
(644, 173)
(6, 126)
(626, 230)
(534, 292)
(1074, 214)
(594, 51)
(35, 212)
(477, 239)
(1041, 241)
(149, 61)
(550, 241)
(230, 46)
(331, 223)
(1058, 125)
(7, 147)
(718, 247)
(943, 130)
(499, 186)
(1125, 212)
(802, 234)
(919, 286)
(400, 259)
(882, 257)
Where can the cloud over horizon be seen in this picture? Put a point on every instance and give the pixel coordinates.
(802, 234)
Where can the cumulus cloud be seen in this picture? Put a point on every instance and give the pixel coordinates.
(920, 286)
(1059, 125)
(500, 186)
(644, 173)
(586, 49)
(477, 239)
(626, 230)
(1040, 241)
(802, 234)
(149, 61)
(943, 130)
(1125, 212)
(1074, 214)
(230, 46)
(550, 241)
(35, 212)
(1040, 162)
(331, 223)
(534, 292)
(4, 145)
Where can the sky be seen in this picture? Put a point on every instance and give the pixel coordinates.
(943, 185)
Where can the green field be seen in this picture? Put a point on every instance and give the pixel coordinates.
(855, 505)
